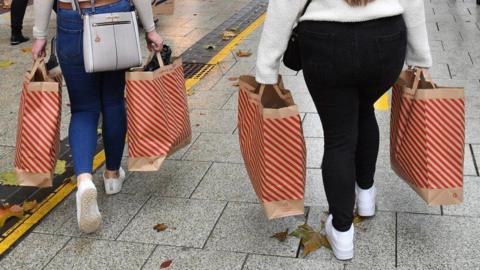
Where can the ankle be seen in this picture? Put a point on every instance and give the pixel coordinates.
(84, 177)
(111, 174)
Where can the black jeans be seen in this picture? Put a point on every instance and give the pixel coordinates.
(347, 67)
(17, 12)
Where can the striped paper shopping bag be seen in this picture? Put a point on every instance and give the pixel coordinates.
(427, 136)
(38, 133)
(157, 113)
(273, 147)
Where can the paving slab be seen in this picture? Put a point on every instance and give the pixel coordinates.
(437, 242)
(175, 179)
(374, 241)
(312, 127)
(314, 189)
(180, 153)
(34, 252)
(215, 147)
(304, 102)
(99, 254)
(193, 221)
(190, 258)
(226, 182)
(243, 227)
(469, 163)
(213, 121)
(207, 100)
(472, 134)
(261, 262)
(314, 152)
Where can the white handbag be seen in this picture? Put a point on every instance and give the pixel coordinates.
(110, 40)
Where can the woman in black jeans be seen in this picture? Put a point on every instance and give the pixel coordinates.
(17, 13)
(352, 51)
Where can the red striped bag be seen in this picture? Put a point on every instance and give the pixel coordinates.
(273, 147)
(158, 116)
(38, 133)
(427, 135)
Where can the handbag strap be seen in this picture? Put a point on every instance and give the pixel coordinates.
(305, 7)
(76, 6)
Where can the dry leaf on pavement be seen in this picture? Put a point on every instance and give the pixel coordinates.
(8, 178)
(233, 78)
(160, 227)
(5, 63)
(26, 50)
(9, 212)
(227, 35)
(281, 236)
(60, 167)
(244, 53)
(166, 264)
(311, 240)
(29, 206)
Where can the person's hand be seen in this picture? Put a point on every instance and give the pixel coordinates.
(38, 48)
(154, 41)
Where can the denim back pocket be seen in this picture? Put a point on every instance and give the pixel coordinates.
(317, 53)
(392, 50)
(69, 37)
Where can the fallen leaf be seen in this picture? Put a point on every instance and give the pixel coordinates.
(310, 239)
(203, 114)
(227, 35)
(357, 219)
(26, 50)
(5, 63)
(160, 227)
(281, 236)
(233, 29)
(233, 79)
(210, 47)
(60, 167)
(243, 53)
(236, 84)
(8, 178)
(197, 125)
(11, 211)
(166, 264)
(29, 206)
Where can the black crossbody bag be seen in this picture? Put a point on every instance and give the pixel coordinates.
(291, 57)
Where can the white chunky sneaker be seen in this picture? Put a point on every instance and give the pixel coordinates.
(88, 215)
(341, 242)
(114, 185)
(365, 201)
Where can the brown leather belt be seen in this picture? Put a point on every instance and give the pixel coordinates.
(86, 4)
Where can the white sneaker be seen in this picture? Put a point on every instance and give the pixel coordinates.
(88, 215)
(114, 185)
(341, 242)
(365, 201)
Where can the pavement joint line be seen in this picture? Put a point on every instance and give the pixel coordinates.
(149, 256)
(201, 180)
(474, 160)
(245, 261)
(56, 253)
(134, 215)
(396, 239)
(215, 225)
(65, 189)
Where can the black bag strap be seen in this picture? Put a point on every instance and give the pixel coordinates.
(305, 8)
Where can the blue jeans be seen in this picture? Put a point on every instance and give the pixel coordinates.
(91, 94)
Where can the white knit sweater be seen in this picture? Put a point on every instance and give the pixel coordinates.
(282, 15)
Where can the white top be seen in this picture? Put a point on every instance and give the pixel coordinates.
(43, 10)
(282, 15)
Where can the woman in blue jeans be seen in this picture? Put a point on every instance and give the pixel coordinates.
(91, 94)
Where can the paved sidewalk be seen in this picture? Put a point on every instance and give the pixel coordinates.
(204, 191)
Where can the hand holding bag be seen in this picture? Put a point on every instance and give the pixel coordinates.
(110, 40)
(291, 57)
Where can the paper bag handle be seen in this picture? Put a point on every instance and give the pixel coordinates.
(418, 76)
(39, 65)
(277, 89)
(151, 56)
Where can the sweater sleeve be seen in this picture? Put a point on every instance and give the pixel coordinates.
(144, 9)
(281, 17)
(418, 49)
(42, 10)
